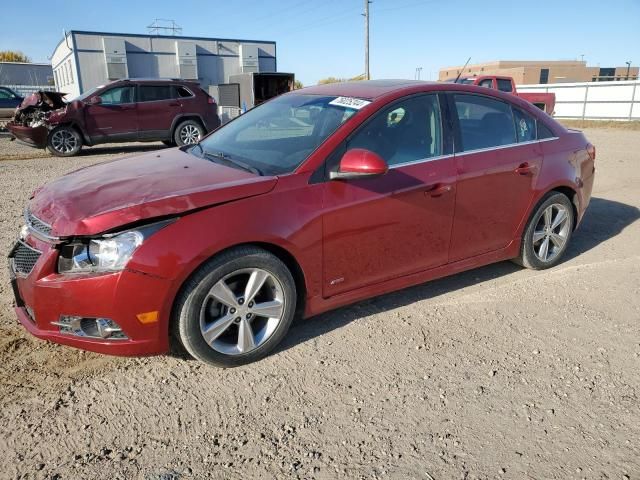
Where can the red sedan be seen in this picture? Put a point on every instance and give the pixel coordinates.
(316, 199)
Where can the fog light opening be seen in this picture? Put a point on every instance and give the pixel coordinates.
(99, 328)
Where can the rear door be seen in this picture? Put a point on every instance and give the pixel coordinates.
(379, 228)
(115, 118)
(157, 107)
(497, 170)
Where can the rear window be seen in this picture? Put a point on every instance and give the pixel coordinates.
(182, 92)
(504, 85)
(544, 132)
(153, 93)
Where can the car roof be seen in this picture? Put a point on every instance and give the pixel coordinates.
(370, 89)
(156, 79)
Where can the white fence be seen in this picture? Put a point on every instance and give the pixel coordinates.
(25, 90)
(593, 100)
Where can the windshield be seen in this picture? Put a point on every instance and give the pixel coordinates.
(276, 137)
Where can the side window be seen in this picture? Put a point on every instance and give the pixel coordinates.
(182, 92)
(544, 132)
(154, 93)
(488, 83)
(117, 96)
(525, 126)
(484, 122)
(5, 94)
(406, 132)
(504, 85)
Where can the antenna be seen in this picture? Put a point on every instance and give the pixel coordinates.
(463, 67)
(167, 26)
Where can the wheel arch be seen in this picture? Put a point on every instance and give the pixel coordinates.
(284, 255)
(572, 195)
(73, 124)
(187, 116)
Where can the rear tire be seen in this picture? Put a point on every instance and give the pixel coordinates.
(64, 141)
(548, 233)
(188, 132)
(236, 308)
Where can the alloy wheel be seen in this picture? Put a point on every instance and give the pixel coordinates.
(189, 134)
(241, 311)
(551, 232)
(64, 141)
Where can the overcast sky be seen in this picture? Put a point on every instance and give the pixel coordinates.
(321, 38)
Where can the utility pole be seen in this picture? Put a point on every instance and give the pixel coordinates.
(628, 68)
(367, 75)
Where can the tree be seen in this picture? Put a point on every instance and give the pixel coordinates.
(298, 85)
(13, 56)
(324, 81)
(336, 80)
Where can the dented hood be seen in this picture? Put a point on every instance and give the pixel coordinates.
(106, 196)
(47, 100)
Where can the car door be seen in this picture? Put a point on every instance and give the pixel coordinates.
(157, 107)
(115, 117)
(383, 227)
(8, 102)
(496, 173)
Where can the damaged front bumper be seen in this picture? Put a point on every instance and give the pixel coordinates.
(30, 123)
(32, 136)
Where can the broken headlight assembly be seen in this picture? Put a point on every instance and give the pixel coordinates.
(109, 253)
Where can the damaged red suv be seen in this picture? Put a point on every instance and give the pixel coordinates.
(315, 199)
(176, 112)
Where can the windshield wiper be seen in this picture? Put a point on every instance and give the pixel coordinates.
(233, 161)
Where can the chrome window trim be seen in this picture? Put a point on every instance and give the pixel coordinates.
(501, 147)
(422, 160)
(442, 157)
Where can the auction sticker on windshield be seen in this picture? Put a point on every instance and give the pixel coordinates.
(350, 102)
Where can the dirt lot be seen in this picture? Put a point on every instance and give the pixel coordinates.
(495, 373)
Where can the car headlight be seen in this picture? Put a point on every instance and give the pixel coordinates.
(110, 253)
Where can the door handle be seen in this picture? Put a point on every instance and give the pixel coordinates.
(525, 169)
(438, 190)
(174, 104)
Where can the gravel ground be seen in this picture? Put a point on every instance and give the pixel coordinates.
(14, 150)
(495, 373)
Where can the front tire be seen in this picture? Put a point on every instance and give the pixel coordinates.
(188, 132)
(548, 233)
(64, 141)
(236, 308)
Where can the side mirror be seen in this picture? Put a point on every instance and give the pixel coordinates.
(95, 100)
(359, 163)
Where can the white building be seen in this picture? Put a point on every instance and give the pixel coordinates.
(84, 60)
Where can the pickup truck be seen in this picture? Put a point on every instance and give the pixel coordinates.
(544, 101)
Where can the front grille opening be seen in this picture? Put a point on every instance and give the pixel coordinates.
(25, 258)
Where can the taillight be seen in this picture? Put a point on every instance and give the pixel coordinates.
(591, 151)
(211, 101)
